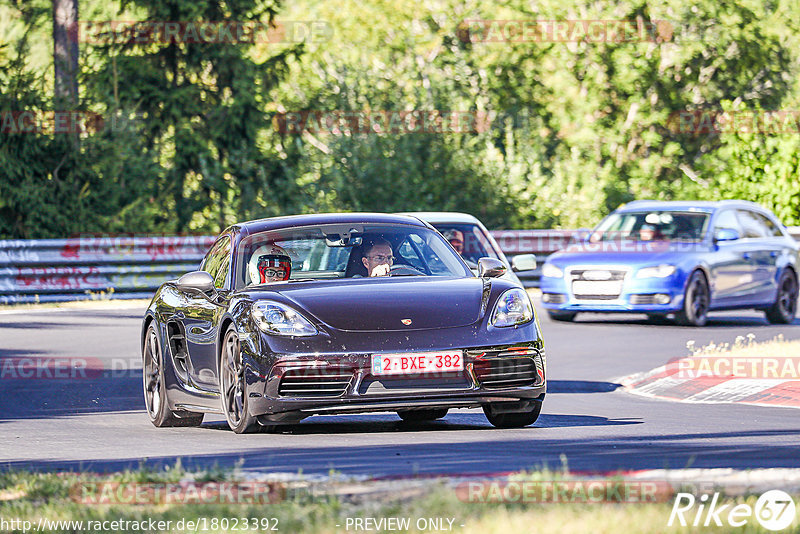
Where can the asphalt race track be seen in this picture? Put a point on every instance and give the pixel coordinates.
(99, 423)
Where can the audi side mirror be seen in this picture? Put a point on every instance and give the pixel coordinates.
(523, 262)
(491, 268)
(196, 281)
(726, 234)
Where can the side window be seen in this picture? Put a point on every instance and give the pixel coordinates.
(217, 261)
(727, 219)
(477, 246)
(770, 227)
(752, 226)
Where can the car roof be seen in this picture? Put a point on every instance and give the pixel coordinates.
(442, 217)
(700, 205)
(274, 223)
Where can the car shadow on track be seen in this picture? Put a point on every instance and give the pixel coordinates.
(500, 451)
(455, 421)
(33, 325)
(56, 386)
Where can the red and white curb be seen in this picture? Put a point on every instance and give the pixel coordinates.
(667, 382)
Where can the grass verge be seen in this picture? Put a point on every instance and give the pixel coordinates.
(337, 504)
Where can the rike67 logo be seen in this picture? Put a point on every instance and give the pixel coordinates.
(774, 510)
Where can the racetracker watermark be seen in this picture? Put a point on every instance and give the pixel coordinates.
(67, 368)
(524, 241)
(133, 246)
(351, 122)
(591, 491)
(50, 122)
(193, 32)
(565, 31)
(766, 367)
(190, 492)
(705, 122)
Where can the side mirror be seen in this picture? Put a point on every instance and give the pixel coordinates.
(196, 281)
(726, 234)
(523, 262)
(490, 268)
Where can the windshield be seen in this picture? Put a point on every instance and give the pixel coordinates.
(338, 251)
(652, 226)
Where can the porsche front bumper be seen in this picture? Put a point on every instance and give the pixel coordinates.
(297, 386)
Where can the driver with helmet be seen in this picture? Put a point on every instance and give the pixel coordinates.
(269, 263)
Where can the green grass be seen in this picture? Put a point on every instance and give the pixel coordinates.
(320, 507)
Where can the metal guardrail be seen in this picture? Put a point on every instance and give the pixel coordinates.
(94, 266)
(97, 266)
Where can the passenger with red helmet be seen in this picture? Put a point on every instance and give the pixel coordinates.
(269, 263)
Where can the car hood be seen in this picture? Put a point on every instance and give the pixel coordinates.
(625, 253)
(370, 304)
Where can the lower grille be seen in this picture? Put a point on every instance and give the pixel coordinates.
(311, 382)
(596, 297)
(643, 299)
(554, 298)
(506, 371)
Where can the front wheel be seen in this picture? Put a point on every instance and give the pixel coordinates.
(785, 307)
(155, 391)
(696, 301)
(232, 386)
(512, 419)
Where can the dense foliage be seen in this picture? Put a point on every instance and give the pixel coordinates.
(194, 132)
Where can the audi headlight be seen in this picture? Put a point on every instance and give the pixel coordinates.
(280, 320)
(660, 271)
(551, 271)
(512, 308)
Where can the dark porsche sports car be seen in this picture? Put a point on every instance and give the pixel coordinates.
(340, 313)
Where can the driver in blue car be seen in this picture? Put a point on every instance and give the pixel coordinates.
(378, 258)
(269, 263)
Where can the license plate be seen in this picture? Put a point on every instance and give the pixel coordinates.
(592, 287)
(413, 363)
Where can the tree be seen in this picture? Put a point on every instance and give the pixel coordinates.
(65, 52)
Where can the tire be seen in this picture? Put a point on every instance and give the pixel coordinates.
(696, 301)
(567, 317)
(419, 416)
(155, 394)
(784, 309)
(233, 391)
(512, 420)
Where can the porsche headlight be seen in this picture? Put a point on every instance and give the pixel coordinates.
(551, 271)
(660, 271)
(512, 308)
(280, 320)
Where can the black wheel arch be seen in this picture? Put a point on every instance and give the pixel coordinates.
(226, 321)
(149, 319)
(791, 268)
(705, 271)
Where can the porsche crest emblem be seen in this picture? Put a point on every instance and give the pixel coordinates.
(405, 321)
